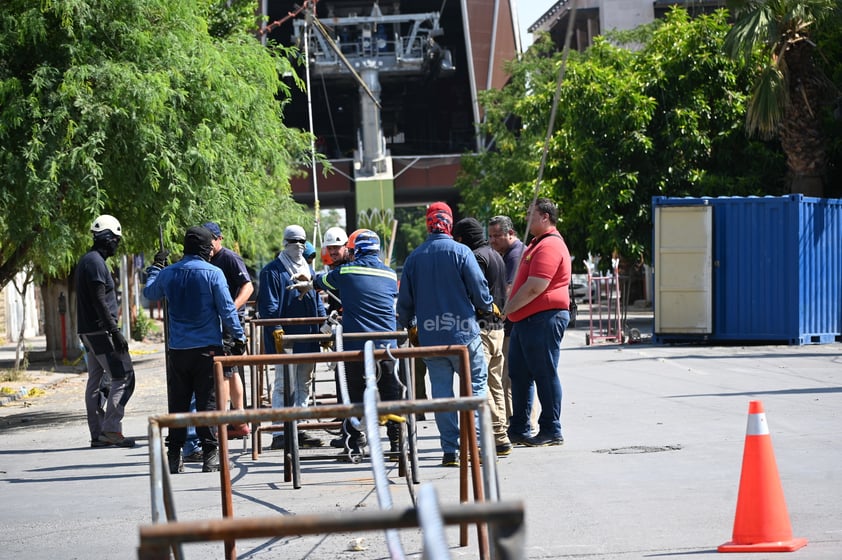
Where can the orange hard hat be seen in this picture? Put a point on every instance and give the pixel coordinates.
(352, 238)
(326, 259)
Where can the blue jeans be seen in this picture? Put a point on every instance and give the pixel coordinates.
(192, 445)
(533, 356)
(440, 371)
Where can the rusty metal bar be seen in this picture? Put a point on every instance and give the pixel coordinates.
(290, 339)
(468, 442)
(509, 516)
(216, 418)
(223, 418)
(347, 355)
(466, 405)
(468, 445)
(274, 322)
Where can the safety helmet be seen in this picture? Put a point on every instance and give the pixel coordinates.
(365, 241)
(352, 239)
(334, 237)
(106, 222)
(327, 260)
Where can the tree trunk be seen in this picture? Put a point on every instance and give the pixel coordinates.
(808, 185)
(801, 129)
(20, 354)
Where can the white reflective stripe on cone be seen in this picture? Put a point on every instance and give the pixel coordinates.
(757, 425)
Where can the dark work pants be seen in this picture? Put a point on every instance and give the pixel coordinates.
(191, 371)
(387, 384)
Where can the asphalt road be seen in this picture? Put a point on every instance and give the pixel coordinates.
(650, 468)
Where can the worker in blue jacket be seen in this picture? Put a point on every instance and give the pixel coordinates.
(198, 304)
(442, 290)
(277, 299)
(368, 289)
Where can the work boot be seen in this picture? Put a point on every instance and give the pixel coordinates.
(115, 438)
(305, 440)
(393, 430)
(210, 462)
(174, 459)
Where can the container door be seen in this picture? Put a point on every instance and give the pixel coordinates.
(683, 273)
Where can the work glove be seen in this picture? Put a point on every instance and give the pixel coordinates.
(278, 335)
(333, 318)
(496, 311)
(327, 328)
(238, 348)
(493, 313)
(412, 333)
(118, 341)
(162, 259)
(302, 284)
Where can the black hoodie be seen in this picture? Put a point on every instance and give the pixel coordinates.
(468, 231)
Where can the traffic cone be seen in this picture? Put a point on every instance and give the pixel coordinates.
(762, 522)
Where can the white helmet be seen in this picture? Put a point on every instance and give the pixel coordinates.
(107, 222)
(335, 237)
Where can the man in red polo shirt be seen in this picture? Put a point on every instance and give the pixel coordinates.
(538, 308)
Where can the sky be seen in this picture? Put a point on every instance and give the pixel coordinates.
(528, 11)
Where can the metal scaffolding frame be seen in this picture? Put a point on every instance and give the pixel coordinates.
(483, 474)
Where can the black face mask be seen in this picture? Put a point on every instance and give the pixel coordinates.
(198, 241)
(106, 244)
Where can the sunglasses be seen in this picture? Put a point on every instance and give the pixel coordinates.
(299, 241)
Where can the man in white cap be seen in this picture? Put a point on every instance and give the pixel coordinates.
(335, 242)
(275, 299)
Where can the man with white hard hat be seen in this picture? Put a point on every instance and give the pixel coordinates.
(334, 241)
(110, 369)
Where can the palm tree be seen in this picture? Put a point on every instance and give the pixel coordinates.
(790, 92)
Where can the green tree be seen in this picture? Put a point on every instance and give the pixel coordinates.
(135, 108)
(829, 41)
(661, 120)
(790, 92)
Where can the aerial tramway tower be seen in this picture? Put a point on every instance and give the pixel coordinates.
(393, 93)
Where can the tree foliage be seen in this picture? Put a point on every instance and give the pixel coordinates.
(789, 93)
(159, 112)
(829, 41)
(665, 119)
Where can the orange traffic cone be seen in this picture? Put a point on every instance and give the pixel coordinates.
(762, 521)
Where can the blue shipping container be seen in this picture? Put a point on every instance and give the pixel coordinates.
(777, 269)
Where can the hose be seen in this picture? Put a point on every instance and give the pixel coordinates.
(378, 463)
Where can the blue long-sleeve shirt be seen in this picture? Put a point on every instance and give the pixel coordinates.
(442, 287)
(368, 289)
(275, 301)
(198, 303)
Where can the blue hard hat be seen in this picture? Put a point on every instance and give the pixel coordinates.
(366, 241)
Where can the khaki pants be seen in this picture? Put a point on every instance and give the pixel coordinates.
(499, 404)
(507, 388)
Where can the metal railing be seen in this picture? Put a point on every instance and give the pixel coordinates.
(483, 475)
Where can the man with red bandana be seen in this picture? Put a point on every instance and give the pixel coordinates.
(538, 308)
(442, 288)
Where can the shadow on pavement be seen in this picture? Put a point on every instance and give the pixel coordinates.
(29, 419)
